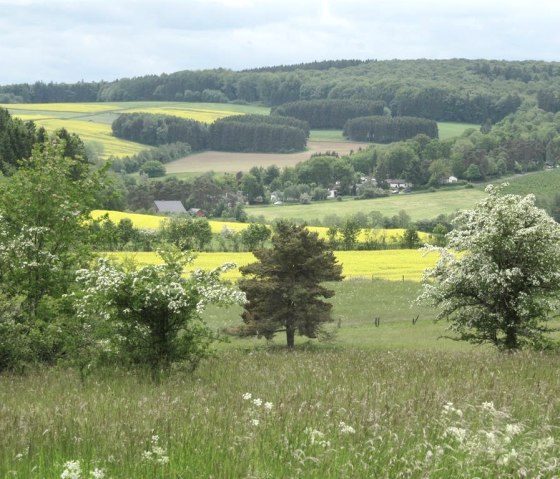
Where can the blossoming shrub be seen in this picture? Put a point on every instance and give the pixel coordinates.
(153, 310)
(500, 280)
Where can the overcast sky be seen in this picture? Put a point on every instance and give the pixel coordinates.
(72, 40)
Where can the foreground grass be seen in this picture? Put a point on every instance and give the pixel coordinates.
(375, 403)
(330, 413)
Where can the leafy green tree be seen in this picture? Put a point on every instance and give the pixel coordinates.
(187, 233)
(438, 234)
(154, 310)
(284, 288)
(410, 238)
(499, 280)
(255, 235)
(350, 231)
(44, 209)
(153, 169)
(473, 172)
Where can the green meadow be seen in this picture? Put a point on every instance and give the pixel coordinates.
(418, 205)
(387, 401)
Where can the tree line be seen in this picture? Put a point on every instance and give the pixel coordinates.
(155, 129)
(329, 114)
(460, 90)
(247, 133)
(384, 129)
(258, 133)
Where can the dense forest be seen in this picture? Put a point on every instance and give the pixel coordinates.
(462, 90)
(258, 133)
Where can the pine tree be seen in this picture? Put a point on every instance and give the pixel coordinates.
(283, 288)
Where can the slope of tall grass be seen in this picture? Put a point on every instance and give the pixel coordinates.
(317, 413)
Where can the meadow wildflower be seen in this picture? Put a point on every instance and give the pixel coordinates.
(72, 470)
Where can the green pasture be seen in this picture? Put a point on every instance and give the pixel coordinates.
(418, 205)
(449, 129)
(544, 184)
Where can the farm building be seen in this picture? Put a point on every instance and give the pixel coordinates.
(196, 213)
(174, 207)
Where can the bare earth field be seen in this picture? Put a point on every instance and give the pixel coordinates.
(223, 161)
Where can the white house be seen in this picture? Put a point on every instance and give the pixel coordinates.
(398, 183)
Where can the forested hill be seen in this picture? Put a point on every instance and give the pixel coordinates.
(445, 90)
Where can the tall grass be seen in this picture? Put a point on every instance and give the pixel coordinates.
(333, 413)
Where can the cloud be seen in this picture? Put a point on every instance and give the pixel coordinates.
(68, 40)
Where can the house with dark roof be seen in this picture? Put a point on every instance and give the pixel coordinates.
(173, 207)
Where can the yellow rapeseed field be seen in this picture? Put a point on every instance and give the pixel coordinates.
(62, 107)
(154, 222)
(205, 116)
(91, 131)
(393, 265)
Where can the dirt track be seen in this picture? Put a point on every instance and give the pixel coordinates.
(221, 161)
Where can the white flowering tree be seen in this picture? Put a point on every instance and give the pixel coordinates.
(154, 310)
(499, 280)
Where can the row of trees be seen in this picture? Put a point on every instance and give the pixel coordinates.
(443, 90)
(384, 129)
(247, 133)
(258, 133)
(329, 114)
(155, 129)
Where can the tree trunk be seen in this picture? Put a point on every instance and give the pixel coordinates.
(511, 338)
(290, 337)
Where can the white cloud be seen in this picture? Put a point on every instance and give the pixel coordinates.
(69, 40)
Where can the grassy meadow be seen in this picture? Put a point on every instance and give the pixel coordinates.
(317, 413)
(392, 401)
(544, 184)
(418, 205)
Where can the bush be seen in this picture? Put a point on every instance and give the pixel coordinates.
(154, 310)
(153, 169)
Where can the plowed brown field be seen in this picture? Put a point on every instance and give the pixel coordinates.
(222, 161)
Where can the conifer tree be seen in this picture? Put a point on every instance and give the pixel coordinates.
(283, 288)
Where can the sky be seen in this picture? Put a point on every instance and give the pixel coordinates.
(94, 40)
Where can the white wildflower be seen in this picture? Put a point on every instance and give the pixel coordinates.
(257, 402)
(268, 406)
(98, 474)
(345, 428)
(254, 422)
(457, 432)
(247, 396)
(72, 470)
(513, 429)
